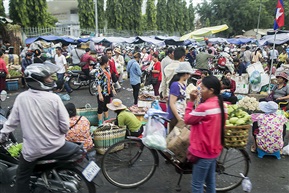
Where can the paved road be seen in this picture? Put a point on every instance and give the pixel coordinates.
(268, 175)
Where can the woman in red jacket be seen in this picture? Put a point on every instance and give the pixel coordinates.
(156, 71)
(207, 133)
(5, 72)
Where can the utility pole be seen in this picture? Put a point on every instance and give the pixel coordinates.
(96, 19)
(258, 19)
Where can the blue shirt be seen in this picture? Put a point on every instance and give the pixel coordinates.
(134, 72)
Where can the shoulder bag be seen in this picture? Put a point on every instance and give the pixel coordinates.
(2, 74)
(81, 64)
(75, 123)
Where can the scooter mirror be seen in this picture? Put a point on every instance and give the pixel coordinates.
(3, 95)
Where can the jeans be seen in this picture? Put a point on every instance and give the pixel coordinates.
(135, 89)
(60, 76)
(204, 173)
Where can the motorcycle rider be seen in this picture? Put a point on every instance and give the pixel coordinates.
(43, 119)
(87, 58)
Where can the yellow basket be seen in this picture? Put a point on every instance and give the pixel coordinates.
(236, 136)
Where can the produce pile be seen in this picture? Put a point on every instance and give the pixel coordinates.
(14, 73)
(138, 110)
(249, 103)
(74, 68)
(146, 97)
(237, 127)
(236, 116)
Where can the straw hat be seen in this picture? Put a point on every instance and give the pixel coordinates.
(268, 107)
(116, 104)
(117, 50)
(283, 75)
(185, 67)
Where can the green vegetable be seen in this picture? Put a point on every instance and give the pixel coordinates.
(15, 150)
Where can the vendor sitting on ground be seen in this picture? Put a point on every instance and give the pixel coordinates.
(125, 118)
(268, 129)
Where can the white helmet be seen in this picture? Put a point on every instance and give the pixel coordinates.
(36, 73)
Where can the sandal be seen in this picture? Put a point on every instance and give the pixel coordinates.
(253, 149)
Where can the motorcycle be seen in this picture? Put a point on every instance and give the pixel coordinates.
(77, 79)
(195, 76)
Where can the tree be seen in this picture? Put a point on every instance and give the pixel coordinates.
(162, 15)
(181, 8)
(38, 15)
(86, 14)
(151, 14)
(2, 9)
(191, 16)
(110, 14)
(100, 14)
(138, 18)
(171, 16)
(18, 13)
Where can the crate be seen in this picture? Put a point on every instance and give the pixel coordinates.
(12, 85)
(236, 136)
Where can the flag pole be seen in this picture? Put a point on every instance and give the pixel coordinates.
(272, 60)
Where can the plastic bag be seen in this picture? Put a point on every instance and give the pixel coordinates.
(156, 105)
(285, 150)
(154, 135)
(246, 183)
(255, 78)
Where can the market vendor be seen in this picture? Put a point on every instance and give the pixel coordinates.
(269, 128)
(280, 91)
(125, 118)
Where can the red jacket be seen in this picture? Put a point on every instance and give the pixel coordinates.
(87, 58)
(205, 121)
(112, 66)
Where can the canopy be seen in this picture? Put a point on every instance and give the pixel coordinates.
(269, 39)
(239, 41)
(205, 31)
(50, 38)
(218, 40)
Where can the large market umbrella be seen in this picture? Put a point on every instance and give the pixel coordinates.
(204, 32)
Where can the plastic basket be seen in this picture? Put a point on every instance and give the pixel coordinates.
(12, 85)
(106, 136)
(237, 136)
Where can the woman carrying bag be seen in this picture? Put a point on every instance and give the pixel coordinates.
(3, 72)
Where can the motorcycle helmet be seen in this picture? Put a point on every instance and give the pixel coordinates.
(35, 75)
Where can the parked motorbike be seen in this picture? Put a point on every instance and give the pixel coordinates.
(77, 79)
(195, 76)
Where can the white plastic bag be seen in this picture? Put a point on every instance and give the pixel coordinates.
(246, 184)
(154, 135)
(285, 150)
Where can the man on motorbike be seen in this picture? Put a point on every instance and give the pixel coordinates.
(43, 119)
(87, 58)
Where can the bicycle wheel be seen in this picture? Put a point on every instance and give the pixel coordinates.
(73, 83)
(129, 163)
(230, 164)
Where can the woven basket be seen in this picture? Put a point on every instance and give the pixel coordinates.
(88, 112)
(106, 136)
(236, 136)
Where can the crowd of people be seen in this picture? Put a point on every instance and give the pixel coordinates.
(203, 109)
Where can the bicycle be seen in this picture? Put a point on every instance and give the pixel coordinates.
(131, 156)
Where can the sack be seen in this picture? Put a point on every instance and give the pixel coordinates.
(107, 135)
(90, 113)
(3, 74)
(226, 95)
(178, 141)
(154, 135)
(81, 64)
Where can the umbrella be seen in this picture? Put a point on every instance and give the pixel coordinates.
(205, 31)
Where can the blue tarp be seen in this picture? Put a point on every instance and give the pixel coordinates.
(50, 38)
(239, 41)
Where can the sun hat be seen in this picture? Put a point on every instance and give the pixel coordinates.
(283, 75)
(185, 67)
(117, 50)
(268, 107)
(116, 104)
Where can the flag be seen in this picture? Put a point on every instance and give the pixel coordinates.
(280, 17)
